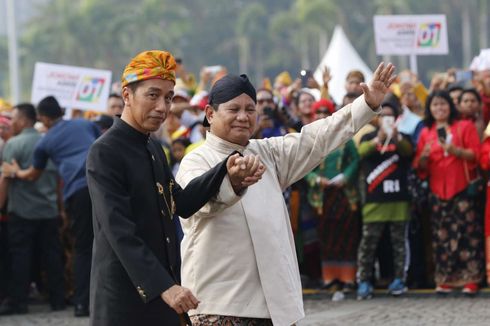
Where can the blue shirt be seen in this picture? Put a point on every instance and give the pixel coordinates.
(67, 144)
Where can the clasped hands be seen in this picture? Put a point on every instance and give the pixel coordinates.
(244, 171)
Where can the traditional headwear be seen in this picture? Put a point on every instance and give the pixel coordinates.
(5, 120)
(149, 65)
(229, 87)
(182, 93)
(200, 100)
(4, 105)
(266, 83)
(324, 103)
(284, 78)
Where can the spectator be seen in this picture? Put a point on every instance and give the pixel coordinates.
(104, 122)
(447, 153)
(485, 165)
(332, 193)
(33, 217)
(305, 102)
(177, 153)
(385, 158)
(66, 144)
(5, 134)
(5, 131)
(455, 92)
(353, 81)
(470, 108)
(115, 105)
(270, 122)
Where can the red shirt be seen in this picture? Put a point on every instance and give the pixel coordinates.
(446, 172)
(485, 165)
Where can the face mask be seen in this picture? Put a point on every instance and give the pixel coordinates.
(387, 124)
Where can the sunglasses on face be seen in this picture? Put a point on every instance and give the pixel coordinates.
(323, 112)
(266, 100)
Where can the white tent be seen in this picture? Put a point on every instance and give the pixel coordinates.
(341, 57)
(482, 61)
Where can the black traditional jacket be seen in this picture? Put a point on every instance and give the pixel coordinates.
(134, 198)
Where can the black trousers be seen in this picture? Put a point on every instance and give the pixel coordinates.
(79, 211)
(24, 234)
(4, 260)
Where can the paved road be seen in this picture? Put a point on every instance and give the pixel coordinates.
(399, 312)
(320, 311)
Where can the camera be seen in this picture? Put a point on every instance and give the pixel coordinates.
(268, 112)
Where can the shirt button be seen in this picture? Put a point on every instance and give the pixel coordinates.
(168, 240)
(152, 157)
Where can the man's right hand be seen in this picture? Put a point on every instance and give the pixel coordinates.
(180, 299)
(375, 91)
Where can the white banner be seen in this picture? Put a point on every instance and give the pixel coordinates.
(406, 35)
(73, 87)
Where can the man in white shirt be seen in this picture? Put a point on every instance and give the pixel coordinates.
(238, 251)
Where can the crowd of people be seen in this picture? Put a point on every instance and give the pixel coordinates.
(401, 204)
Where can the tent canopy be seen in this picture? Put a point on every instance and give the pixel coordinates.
(340, 58)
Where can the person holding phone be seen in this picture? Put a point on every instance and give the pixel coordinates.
(269, 122)
(447, 155)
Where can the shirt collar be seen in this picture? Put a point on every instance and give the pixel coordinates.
(28, 131)
(132, 133)
(222, 145)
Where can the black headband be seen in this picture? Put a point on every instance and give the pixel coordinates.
(229, 87)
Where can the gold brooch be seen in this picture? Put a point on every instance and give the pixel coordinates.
(160, 188)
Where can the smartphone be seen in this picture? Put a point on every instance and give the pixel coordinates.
(268, 112)
(213, 70)
(464, 75)
(305, 75)
(405, 78)
(442, 134)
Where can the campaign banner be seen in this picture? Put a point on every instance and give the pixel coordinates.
(410, 34)
(73, 87)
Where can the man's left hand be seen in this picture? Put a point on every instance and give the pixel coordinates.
(375, 91)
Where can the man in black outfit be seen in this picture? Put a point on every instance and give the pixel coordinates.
(135, 270)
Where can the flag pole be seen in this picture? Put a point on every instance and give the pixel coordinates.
(12, 53)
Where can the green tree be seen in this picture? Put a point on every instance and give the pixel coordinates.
(3, 68)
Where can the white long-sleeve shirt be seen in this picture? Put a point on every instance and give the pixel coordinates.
(238, 253)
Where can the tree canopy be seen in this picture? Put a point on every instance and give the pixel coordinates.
(260, 38)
